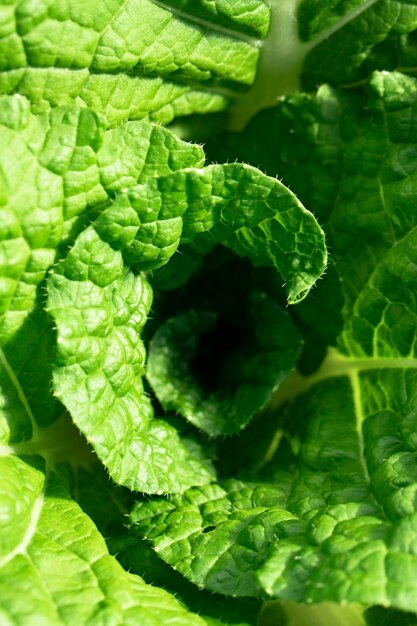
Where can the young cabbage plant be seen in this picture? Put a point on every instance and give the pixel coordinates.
(208, 389)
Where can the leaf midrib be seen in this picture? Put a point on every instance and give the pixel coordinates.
(207, 24)
(282, 58)
(29, 533)
(19, 390)
(335, 365)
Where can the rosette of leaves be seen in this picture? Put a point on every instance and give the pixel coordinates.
(326, 510)
(223, 348)
(102, 212)
(97, 209)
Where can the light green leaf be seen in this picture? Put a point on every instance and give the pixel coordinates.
(251, 16)
(96, 163)
(100, 307)
(31, 225)
(56, 171)
(253, 214)
(62, 573)
(31, 213)
(55, 167)
(134, 152)
(129, 59)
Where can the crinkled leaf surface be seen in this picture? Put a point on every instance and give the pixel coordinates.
(100, 306)
(342, 525)
(251, 16)
(342, 529)
(130, 59)
(266, 349)
(62, 573)
(162, 59)
(325, 509)
(56, 166)
(386, 179)
(78, 166)
(93, 491)
(302, 138)
(346, 34)
(351, 160)
(31, 212)
(31, 226)
(56, 170)
(255, 215)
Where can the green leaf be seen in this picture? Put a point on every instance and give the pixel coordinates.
(341, 526)
(31, 226)
(93, 491)
(25, 379)
(62, 573)
(256, 216)
(56, 171)
(383, 321)
(381, 179)
(364, 144)
(337, 523)
(96, 163)
(129, 60)
(55, 167)
(225, 532)
(314, 506)
(31, 213)
(100, 307)
(302, 139)
(351, 34)
(234, 384)
(351, 160)
(341, 530)
(92, 296)
(250, 17)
